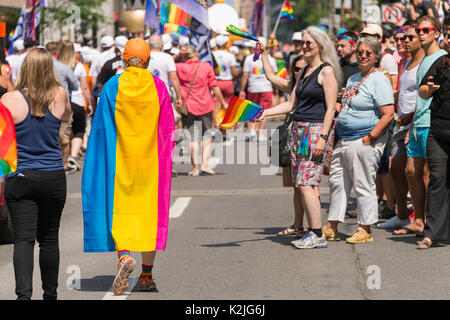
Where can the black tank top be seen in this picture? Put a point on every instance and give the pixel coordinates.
(311, 104)
(3, 91)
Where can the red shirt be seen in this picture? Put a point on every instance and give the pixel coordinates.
(200, 101)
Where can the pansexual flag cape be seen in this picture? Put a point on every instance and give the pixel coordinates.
(8, 146)
(240, 110)
(128, 167)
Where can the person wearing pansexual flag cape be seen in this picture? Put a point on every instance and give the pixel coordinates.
(127, 173)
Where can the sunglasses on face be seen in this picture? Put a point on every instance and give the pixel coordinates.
(367, 53)
(297, 69)
(410, 37)
(425, 29)
(306, 43)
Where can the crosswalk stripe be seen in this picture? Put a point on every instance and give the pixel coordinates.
(179, 206)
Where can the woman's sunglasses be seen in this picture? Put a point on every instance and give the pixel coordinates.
(307, 43)
(425, 29)
(297, 69)
(368, 53)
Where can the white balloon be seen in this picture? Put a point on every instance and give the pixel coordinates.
(220, 16)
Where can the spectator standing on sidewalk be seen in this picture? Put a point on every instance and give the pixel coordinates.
(314, 102)
(406, 101)
(367, 111)
(417, 171)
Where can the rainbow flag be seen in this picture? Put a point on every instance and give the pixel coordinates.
(282, 73)
(170, 27)
(128, 167)
(8, 147)
(241, 110)
(286, 11)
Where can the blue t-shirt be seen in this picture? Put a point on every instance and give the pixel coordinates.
(422, 115)
(359, 116)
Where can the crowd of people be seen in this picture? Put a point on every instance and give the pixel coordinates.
(369, 107)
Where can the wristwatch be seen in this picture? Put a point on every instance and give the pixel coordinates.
(324, 136)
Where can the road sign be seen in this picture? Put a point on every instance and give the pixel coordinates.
(371, 14)
(393, 13)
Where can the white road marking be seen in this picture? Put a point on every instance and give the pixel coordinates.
(179, 206)
(131, 284)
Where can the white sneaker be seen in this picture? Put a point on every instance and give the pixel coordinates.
(208, 171)
(310, 241)
(393, 223)
(262, 139)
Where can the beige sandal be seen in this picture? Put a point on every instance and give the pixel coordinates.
(426, 243)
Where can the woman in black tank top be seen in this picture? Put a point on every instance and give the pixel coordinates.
(314, 104)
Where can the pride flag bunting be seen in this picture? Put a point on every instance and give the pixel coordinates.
(287, 12)
(241, 110)
(8, 146)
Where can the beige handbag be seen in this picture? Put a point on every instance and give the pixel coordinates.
(183, 110)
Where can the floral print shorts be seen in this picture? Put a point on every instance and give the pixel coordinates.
(305, 172)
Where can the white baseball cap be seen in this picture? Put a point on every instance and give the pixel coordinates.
(263, 41)
(121, 42)
(18, 45)
(183, 41)
(221, 40)
(234, 49)
(250, 43)
(174, 51)
(373, 29)
(297, 36)
(106, 42)
(77, 47)
(167, 41)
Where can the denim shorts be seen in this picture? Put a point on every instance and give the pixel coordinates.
(417, 143)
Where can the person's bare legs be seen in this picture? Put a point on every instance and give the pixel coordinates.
(76, 147)
(417, 175)
(148, 258)
(195, 157)
(311, 206)
(388, 189)
(65, 149)
(398, 166)
(206, 149)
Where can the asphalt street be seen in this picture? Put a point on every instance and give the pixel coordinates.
(223, 244)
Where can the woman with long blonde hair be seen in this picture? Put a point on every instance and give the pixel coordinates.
(79, 99)
(313, 101)
(36, 192)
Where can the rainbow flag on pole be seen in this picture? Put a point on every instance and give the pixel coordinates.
(128, 167)
(8, 147)
(241, 110)
(287, 12)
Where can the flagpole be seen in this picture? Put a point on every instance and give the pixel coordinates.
(278, 20)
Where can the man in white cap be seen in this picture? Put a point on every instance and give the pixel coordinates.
(259, 88)
(227, 71)
(388, 63)
(113, 66)
(163, 66)
(108, 52)
(15, 60)
(167, 43)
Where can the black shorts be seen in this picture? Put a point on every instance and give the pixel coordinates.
(79, 121)
(197, 124)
